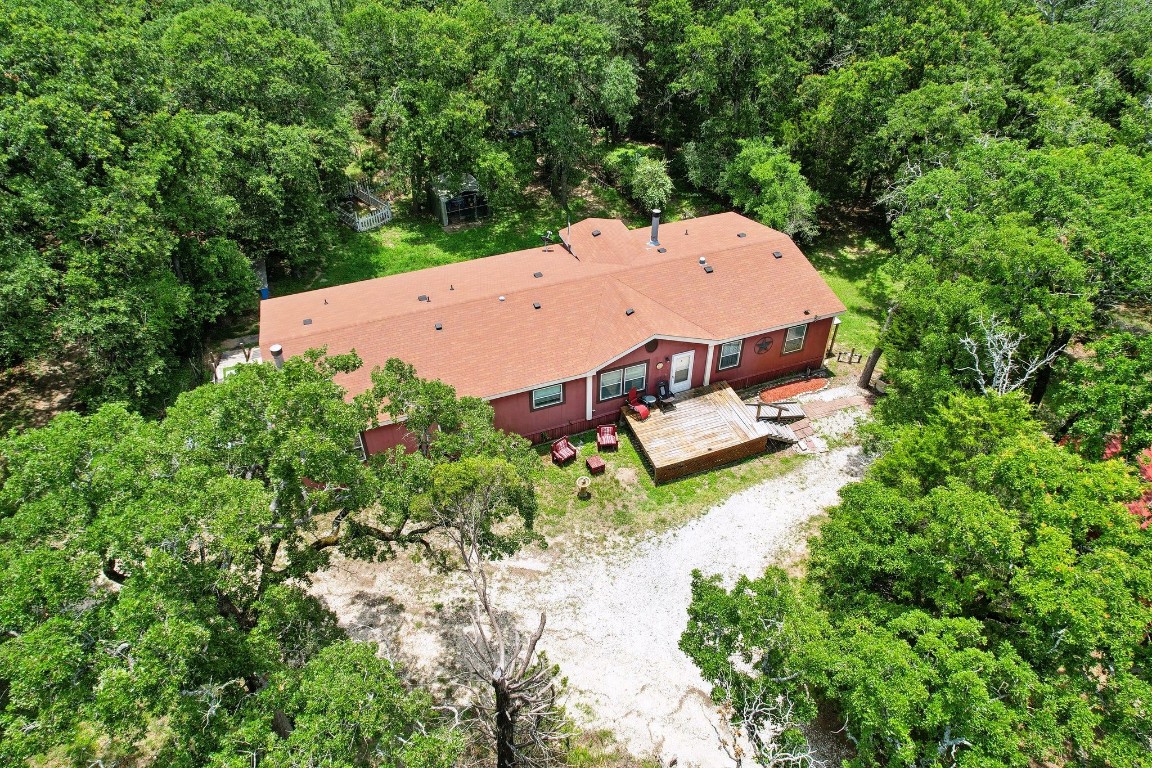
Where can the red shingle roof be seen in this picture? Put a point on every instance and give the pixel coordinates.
(488, 347)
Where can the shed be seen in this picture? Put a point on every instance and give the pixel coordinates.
(457, 200)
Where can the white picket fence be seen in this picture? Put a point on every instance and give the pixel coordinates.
(362, 223)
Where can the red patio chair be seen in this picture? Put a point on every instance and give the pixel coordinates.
(563, 451)
(635, 404)
(606, 438)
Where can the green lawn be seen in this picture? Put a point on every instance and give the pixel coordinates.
(625, 501)
(850, 260)
(415, 241)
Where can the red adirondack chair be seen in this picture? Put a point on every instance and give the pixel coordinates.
(563, 451)
(606, 438)
(635, 404)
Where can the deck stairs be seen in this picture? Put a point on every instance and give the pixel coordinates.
(781, 433)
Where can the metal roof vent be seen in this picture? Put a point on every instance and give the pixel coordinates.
(702, 260)
(595, 233)
(661, 250)
(708, 268)
(537, 274)
(307, 321)
(501, 298)
(777, 254)
(629, 311)
(422, 297)
(535, 305)
(807, 311)
(439, 327)
(741, 234)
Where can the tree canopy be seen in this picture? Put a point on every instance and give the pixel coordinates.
(155, 572)
(963, 607)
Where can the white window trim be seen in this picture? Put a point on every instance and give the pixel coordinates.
(739, 354)
(536, 407)
(619, 385)
(784, 350)
(624, 379)
(643, 378)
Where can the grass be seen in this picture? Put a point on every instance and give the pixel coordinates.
(412, 242)
(625, 501)
(850, 260)
(415, 240)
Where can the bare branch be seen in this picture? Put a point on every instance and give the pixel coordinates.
(1002, 373)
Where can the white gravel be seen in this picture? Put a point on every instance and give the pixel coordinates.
(614, 619)
(614, 623)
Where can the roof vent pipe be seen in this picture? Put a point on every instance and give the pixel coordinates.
(277, 355)
(655, 227)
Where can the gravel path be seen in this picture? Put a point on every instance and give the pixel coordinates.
(614, 624)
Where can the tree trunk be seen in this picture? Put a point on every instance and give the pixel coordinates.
(870, 366)
(505, 726)
(1044, 375)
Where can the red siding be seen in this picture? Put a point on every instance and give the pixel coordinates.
(772, 364)
(514, 413)
(661, 355)
(388, 436)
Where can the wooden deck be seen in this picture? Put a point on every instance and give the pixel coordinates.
(703, 428)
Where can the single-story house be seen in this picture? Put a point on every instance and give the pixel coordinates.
(554, 337)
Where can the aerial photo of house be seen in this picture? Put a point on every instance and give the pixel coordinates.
(555, 337)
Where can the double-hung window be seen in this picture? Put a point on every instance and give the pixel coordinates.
(546, 396)
(794, 339)
(730, 354)
(616, 383)
(636, 377)
(610, 384)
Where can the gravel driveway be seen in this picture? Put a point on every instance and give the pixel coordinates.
(614, 623)
(614, 619)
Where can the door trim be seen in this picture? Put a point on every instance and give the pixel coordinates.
(687, 385)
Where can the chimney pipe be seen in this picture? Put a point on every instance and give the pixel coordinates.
(655, 227)
(277, 355)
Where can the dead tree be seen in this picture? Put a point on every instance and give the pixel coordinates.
(513, 689)
(874, 358)
(753, 726)
(1000, 371)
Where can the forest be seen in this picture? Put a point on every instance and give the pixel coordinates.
(990, 577)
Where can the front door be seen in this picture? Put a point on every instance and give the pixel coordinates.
(681, 376)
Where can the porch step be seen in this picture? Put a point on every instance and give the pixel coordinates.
(777, 432)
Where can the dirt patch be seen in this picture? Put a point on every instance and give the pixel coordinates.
(626, 476)
(33, 393)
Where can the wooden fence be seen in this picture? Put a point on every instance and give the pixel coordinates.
(380, 215)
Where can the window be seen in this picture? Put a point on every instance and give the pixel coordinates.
(616, 383)
(794, 339)
(610, 384)
(636, 377)
(546, 396)
(730, 354)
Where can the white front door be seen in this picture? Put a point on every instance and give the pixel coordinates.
(681, 376)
